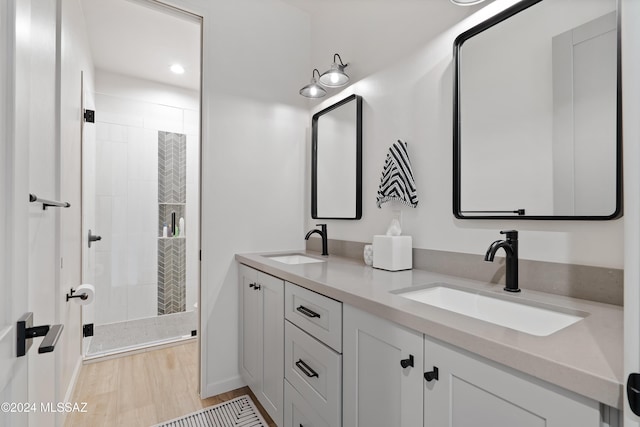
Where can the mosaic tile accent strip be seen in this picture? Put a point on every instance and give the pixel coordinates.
(171, 275)
(172, 195)
(172, 167)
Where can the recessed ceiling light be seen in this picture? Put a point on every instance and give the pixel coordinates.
(466, 2)
(177, 68)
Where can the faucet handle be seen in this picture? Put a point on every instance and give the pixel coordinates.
(511, 234)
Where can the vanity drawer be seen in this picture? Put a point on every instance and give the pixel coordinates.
(315, 371)
(318, 315)
(297, 412)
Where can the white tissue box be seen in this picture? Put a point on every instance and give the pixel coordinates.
(392, 253)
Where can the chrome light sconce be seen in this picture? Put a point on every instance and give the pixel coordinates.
(313, 89)
(336, 76)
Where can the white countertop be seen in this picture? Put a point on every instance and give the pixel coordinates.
(586, 357)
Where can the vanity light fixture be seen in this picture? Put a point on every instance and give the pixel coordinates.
(336, 76)
(313, 89)
(466, 2)
(177, 69)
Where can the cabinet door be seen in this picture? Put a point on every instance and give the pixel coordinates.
(377, 390)
(250, 328)
(262, 338)
(471, 392)
(271, 314)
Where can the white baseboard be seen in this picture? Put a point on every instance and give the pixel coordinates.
(224, 386)
(70, 389)
(74, 380)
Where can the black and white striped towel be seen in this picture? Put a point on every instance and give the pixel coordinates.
(397, 181)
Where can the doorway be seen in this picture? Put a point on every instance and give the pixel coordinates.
(141, 176)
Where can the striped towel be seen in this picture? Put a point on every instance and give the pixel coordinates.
(397, 181)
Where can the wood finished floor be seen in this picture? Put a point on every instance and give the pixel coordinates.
(144, 389)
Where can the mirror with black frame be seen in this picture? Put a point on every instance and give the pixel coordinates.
(336, 162)
(537, 113)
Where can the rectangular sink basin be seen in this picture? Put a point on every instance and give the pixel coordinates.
(295, 259)
(539, 319)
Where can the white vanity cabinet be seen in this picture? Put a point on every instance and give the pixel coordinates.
(471, 391)
(378, 391)
(262, 338)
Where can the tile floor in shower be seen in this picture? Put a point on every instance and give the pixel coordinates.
(135, 334)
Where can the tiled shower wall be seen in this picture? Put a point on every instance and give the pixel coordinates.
(126, 259)
(172, 198)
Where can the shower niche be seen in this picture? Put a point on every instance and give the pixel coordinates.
(172, 195)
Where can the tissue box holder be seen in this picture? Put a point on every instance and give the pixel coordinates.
(392, 253)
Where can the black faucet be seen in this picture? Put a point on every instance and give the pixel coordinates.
(510, 247)
(322, 234)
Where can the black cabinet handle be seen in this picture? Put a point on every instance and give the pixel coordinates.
(309, 313)
(405, 363)
(432, 375)
(257, 287)
(306, 369)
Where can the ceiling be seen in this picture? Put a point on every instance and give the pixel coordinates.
(139, 39)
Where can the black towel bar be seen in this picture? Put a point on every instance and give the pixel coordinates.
(46, 203)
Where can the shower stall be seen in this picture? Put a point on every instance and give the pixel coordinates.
(141, 196)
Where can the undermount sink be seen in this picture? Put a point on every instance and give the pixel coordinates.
(532, 318)
(295, 259)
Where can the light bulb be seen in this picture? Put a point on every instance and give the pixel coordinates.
(313, 90)
(335, 78)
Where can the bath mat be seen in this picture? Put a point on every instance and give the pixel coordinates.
(233, 413)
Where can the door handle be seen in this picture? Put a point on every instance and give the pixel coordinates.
(26, 332)
(93, 238)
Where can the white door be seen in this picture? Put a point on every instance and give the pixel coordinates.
(15, 132)
(43, 241)
(470, 391)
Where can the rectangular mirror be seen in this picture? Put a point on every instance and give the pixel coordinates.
(336, 163)
(537, 113)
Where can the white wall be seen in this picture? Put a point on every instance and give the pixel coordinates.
(253, 154)
(412, 100)
(129, 114)
(370, 35)
(74, 58)
(631, 104)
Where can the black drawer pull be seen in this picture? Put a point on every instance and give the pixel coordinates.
(431, 375)
(306, 369)
(405, 363)
(252, 285)
(309, 313)
(257, 287)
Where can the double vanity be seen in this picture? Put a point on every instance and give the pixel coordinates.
(329, 341)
